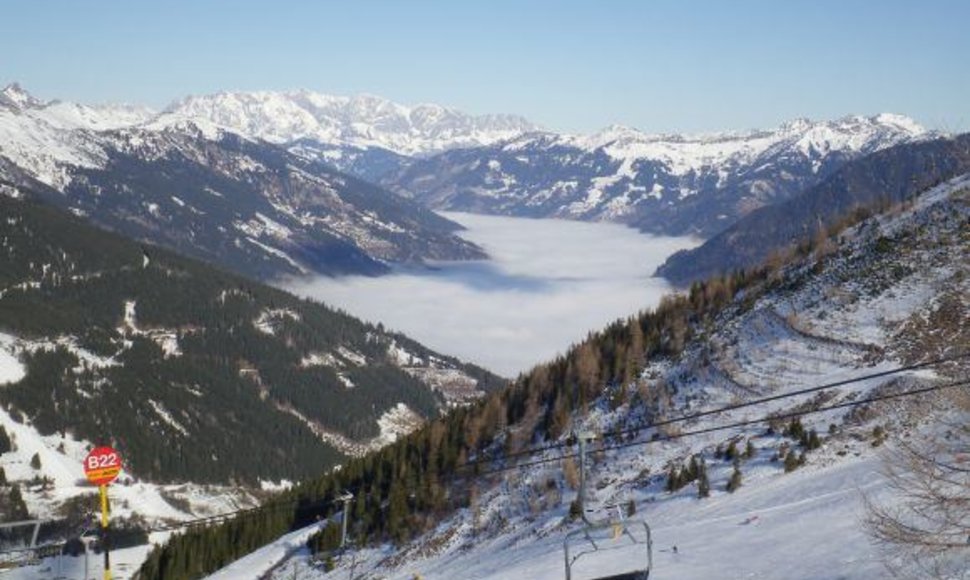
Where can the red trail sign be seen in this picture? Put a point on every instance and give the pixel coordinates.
(102, 465)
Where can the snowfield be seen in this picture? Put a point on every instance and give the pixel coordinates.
(11, 369)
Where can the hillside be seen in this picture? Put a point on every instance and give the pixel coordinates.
(881, 179)
(661, 184)
(489, 489)
(193, 373)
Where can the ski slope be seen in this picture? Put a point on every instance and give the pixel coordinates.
(262, 561)
(804, 526)
(801, 526)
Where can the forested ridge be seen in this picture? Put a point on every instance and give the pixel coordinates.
(190, 371)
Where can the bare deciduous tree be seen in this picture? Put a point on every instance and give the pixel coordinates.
(925, 522)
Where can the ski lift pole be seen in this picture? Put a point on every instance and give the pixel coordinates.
(346, 498)
(101, 466)
(584, 439)
(105, 538)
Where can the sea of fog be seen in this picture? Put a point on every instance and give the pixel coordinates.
(546, 285)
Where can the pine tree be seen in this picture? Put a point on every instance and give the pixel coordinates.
(735, 482)
(17, 508)
(5, 444)
(575, 510)
(750, 451)
(795, 429)
(732, 451)
(703, 483)
(691, 472)
(791, 461)
(813, 441)
(673, 480)
(397, 513)
(35, 461)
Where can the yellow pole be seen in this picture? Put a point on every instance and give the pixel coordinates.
(105, 542)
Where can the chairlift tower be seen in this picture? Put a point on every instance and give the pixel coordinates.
(584, 438)
(346, 498)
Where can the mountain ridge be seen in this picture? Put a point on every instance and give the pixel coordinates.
(131, 343)
(230, 199)
(659, 183)
(361, 121)
(888, 176)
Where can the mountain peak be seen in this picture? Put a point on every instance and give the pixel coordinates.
(901, 122)
(361, 120)
(797, 125)
(13, 95)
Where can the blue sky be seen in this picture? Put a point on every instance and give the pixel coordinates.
(570, 66)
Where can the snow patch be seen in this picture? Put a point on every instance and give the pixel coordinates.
(11, 369)
(268, 320)
(167, 417)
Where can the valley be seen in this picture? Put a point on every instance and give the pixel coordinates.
(546, 284)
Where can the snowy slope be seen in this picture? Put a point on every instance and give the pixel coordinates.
(262, 561)
(61, 457)
(762, 531)
(47, 139)
(844, 313)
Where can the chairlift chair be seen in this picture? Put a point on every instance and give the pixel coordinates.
(599, 538)
(631, 536)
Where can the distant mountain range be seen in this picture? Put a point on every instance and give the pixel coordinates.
(207, 192)
(362, 121)
(291, 183)
(663, 184)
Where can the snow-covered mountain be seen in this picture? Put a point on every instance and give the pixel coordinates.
(670, 184)
(46, 139)
(362, 121)
(889, 176)
(211, 193)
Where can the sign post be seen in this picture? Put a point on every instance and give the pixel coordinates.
(101, 467)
